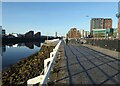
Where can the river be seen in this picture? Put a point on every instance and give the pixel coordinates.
(12, 53)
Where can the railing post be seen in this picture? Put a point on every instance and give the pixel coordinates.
(46, 64)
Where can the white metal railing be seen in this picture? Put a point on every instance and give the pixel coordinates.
(49, 41)
(48, 63)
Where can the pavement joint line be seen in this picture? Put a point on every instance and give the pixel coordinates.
(101, 60)
(97, 66)
(83, 67)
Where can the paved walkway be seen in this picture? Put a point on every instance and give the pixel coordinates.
(111, 53)
(87, 66)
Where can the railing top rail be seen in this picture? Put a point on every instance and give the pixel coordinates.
(53, 40)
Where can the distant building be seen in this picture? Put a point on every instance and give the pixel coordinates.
(96, 23)
(73, 33)
(11, 36)
(118, 16)
(15, 34)
(86, 34)
(20, 35)
(38, 34)
(107, 23)
(103, 32)
(115, 32)
(100, 23)
(3, 32)
(29, 34)
(82, 33)
(55, 34)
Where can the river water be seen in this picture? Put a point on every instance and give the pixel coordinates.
(13, 53)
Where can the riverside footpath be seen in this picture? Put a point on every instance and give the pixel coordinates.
(83, 64)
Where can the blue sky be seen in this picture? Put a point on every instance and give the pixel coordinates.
(51, 17)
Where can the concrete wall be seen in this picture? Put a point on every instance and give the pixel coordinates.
(108, 44)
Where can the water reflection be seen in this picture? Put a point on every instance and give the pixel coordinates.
(29, 45)
(12, 53)
(3, 48)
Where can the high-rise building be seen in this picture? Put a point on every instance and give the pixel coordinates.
(107, 23)
(100, 23)
(97, 23)
(118, 15)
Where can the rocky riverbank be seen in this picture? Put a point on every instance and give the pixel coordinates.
(27, 68)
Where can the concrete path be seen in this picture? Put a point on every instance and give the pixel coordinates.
(87, 66)
(111, 53)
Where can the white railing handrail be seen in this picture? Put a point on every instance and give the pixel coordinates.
(42, 79)
(53, 40)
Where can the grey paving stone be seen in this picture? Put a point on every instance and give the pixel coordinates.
(107, 69)
(109, 58)
(72, 60)
(117, 78)
(113, 64)
(87, 64)
(103, 59)
(81, 78)
(103, 50)
(90, 57)
(75, 69)
(96, 61)
(97, 75)
(81, 59)
(109, 82)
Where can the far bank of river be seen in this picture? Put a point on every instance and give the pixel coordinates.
(27, 68)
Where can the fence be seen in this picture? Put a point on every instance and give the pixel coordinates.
(48, 63)
(112, 44)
